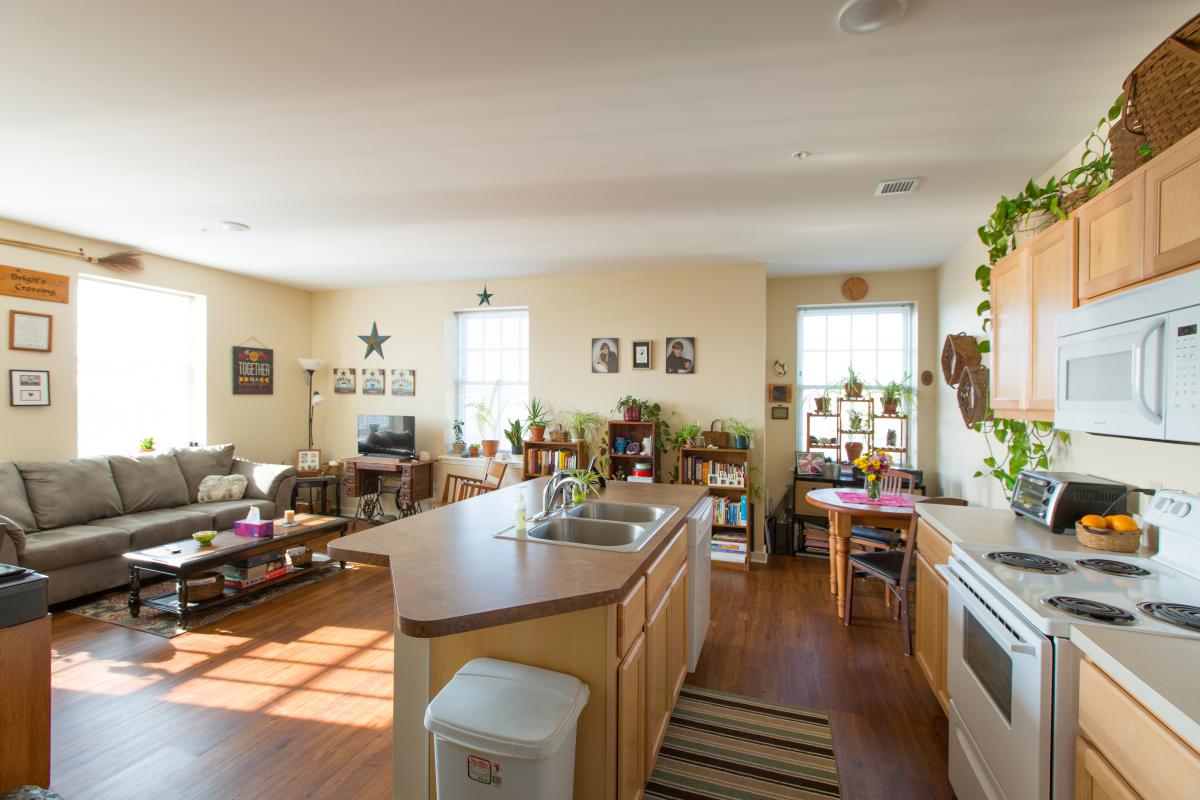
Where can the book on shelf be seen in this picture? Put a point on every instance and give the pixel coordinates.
(246, 583)
(734, 558)
(542, 460)
(731, 511)
(704, 471)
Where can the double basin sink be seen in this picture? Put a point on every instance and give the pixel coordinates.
(600, 524)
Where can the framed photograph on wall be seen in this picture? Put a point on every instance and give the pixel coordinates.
(28, 330)
(404, 382)
(779, 392)
(344, 380)
(779, 412)
(681, 355)
(604, 355)
(308, 462)
(29, 387)
(642, 354)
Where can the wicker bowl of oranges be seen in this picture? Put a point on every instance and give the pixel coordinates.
(1117, 533)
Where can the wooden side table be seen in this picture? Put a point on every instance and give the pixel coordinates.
(25, 705)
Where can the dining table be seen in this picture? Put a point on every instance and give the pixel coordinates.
(849, 507)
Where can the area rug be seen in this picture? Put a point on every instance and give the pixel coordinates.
(114, 606)
(727, 747)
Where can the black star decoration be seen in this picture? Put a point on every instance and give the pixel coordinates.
(485, 296)
(374, 342)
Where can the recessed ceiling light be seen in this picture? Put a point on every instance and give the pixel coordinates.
(868, 16)
(233, 227)
(800, 155)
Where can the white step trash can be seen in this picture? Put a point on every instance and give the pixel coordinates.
(505, 731)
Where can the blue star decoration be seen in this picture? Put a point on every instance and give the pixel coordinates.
(485, 296)
(374, 342)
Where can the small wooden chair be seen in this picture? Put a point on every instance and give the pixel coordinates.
(462, 487)
(872, 538)
(895, 568)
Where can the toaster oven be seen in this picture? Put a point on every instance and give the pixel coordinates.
(1058, 499)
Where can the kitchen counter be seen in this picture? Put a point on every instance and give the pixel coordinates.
(1159, 671)
(450, 574)
(1001, 527)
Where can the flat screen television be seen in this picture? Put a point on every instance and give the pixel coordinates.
(383, 435)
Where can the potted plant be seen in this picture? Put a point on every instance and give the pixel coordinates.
(852, 384)
(537, 417)
(688, 435)
(474, 450)
(148, 444)
(583, 424)
(486, 413)
(630, 408)
(895, 391)
(514, 433)
(856, 421)
(459, 445)
(853, 451)
(825, 401)
(590, 481)
(742, 432)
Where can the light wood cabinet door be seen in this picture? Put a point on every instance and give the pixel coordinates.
(1095, 778)
(1173, 208)
(1053, 290)
(1010, 331)
(1111, 234)
(930, 646)
(631, 722)
(677, 633)
(658, 690)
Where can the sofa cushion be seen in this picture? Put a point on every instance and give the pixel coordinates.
(215, 488)
(49, 550)
(15, 534)
(63, 493)
(159, 526)
(227, 512)
(148, 482)
(13, 502)
(198, 462)
(262, 480)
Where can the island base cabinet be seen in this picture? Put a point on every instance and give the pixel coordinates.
(930, 638)
(666, 662)
(631, 727)
(1095, 778)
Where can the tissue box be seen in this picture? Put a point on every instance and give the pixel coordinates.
(246, 527)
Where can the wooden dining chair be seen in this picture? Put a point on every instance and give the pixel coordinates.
(873, 538)
(493, 474)
(895, 568)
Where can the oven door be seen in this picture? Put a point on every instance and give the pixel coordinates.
(1111, 380)
(999, 675)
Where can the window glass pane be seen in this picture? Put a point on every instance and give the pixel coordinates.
(839, 330)
(891, 330)
(838, 365)
(813, 332)
(863, 332)
(474, 333)
(474, 371)
(491, 333)
(891, 365)
(493, 361)
(512, 332)
(813, 368)
(866, 367)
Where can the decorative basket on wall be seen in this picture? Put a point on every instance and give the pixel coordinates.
(1126, 152)
(972, 395)
(958, 353)
(1162, 94)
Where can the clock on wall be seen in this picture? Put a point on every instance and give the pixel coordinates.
(854, 289)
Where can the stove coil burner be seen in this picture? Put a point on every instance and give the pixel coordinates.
(1108, 566)
(1091, 609)
(1030, 562)
(1174, 613)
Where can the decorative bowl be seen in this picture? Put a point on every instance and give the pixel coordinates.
(204, 537)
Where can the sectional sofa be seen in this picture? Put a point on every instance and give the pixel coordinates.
(73, 520)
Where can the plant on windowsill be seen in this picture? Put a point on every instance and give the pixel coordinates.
(894, 392)
(487, 418)
(852, 384)
(459, 446)
(537, 418)
(148, 444)
(514, 433)
(473, 450)
(583, 424)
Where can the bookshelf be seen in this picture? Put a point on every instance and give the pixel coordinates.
(543, 458)
(725, 472)
(622, 463)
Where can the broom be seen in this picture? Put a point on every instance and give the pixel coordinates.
(124, 261)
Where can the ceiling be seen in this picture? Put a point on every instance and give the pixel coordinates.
(372, 142)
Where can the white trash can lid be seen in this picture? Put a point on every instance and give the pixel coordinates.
(508, 709)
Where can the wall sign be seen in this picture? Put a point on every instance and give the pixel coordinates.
(34, 285)
(253, 370)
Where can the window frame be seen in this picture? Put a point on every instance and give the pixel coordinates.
(463, 384)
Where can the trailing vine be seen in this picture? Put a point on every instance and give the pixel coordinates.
(1014, 445)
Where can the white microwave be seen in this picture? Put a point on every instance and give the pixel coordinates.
(1129, 365)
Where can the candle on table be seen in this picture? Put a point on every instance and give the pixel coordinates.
(289, 516)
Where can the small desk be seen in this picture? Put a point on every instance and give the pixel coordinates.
(363, 479)
(322, 482)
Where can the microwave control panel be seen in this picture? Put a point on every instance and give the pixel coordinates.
(1183, 398)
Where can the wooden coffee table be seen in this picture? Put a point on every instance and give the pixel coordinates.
(188, 558)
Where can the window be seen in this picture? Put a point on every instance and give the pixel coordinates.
(493, 357)
(141, 367)
(876, 340)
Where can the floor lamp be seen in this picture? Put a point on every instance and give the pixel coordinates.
(310, 366)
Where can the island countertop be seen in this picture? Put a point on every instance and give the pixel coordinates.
(450, 574)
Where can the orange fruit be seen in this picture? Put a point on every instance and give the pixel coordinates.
(1094, 521)
(1122, 523)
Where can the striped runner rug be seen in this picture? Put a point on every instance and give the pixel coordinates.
(723, 746)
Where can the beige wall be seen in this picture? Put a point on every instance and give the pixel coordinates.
(961, 451)
(721, 307)
(267, 428)
(784, 295)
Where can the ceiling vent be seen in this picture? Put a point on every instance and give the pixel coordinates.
(898, 186)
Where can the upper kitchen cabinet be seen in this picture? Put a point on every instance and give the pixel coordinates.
(1173, 208)
(1111, 229)
(1030, 287)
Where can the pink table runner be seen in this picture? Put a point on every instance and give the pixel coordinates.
(860, 498)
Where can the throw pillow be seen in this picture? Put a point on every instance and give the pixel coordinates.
(14, 504)
(197, 462)
(215, 488)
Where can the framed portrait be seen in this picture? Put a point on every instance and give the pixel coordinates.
(604, 355)
(779, 412)
(641, 354)
(30, 331)
(404, 382)
(809, 463)
(253, 370)
(681, 355)
(308, 462)
(29, 387)
(372, 380)
(779, 392)
(345, 380)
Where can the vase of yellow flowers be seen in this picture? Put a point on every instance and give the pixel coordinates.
(874, 466)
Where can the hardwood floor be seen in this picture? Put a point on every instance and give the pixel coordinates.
(292, 699)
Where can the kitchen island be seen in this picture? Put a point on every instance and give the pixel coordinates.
(462, 593)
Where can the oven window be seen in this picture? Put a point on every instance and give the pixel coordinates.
(1104, 377)
(990, 662)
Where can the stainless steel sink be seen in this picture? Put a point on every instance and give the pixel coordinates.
(593, 532)
(601, 525)
(620, 512)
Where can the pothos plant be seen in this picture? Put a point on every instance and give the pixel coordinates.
(1014, 445)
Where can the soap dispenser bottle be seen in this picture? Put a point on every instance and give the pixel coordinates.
(519, 522)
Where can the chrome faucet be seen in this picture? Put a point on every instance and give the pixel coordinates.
(554, 491)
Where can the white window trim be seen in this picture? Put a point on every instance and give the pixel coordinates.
(460, 351)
